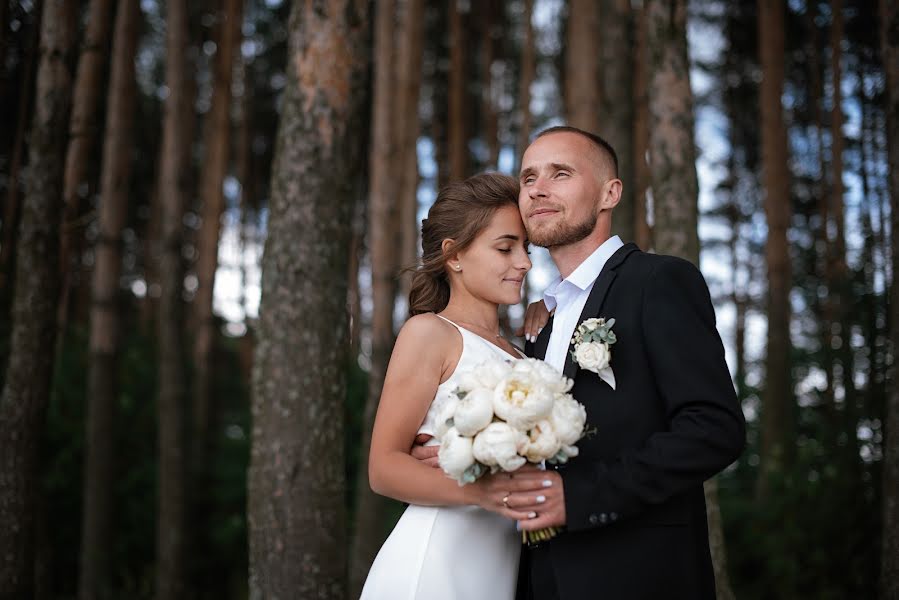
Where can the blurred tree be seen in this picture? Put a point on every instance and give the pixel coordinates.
(216, 148)
(26, 385)
(777, 404)
(583, 76)
(672, 165)
(95, 577)
(889, 47)
(296, 483)
(616, 121)
(459, 133)
(174, 177)
(383, 230)
(84, 133)
(526, 74)
(641, 176)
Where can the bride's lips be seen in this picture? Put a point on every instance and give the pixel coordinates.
(516, 281)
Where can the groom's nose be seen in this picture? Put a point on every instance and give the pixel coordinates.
(536, 189)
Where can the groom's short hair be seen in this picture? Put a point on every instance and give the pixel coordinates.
(602, 146)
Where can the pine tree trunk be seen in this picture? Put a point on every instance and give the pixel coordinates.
(369, 533)
(10, 222)
(582, 66)
(776, 409)
(172, 394)
(84, 131)
(674, 183)
(491, 34)
(889, 566)
(640, 183)
(217, 144)
(526, 79)
(296, 483)
(618, 127)
(458, 80)
(26, 391)
(409, 84)
(96, 549)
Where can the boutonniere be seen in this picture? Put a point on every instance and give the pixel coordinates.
(592, 351)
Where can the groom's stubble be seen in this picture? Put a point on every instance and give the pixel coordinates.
(563, 233)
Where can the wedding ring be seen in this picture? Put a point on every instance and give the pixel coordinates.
(506, 500)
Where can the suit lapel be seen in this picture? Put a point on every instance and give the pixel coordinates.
(597, 297)
(543, 340)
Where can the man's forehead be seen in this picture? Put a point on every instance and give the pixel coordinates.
(559, 147)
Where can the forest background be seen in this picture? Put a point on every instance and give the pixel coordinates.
(207, 206)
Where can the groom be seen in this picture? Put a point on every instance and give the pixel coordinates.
(632, 502)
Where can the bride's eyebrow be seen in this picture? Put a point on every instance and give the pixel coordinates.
(508, 236)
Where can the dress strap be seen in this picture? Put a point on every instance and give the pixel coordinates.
(460, 328)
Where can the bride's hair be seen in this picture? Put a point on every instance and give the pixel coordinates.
(462, 210)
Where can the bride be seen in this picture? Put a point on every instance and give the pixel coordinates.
(452, 541)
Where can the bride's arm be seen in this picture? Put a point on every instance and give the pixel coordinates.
(425, 352)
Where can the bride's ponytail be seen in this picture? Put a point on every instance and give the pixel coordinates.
(462, 210)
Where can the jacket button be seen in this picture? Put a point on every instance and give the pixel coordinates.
(593, 519)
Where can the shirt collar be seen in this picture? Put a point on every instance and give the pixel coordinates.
(585, 273)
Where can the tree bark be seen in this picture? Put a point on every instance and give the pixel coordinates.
(640, 183)
(96, 549)
(173, 184)
(383, 212)
(889, 566)
(674, 183)
(296, 483)
(582, 66)
(490, 37)
(84, 131)
(458, 80)
(217, 143)
(412, 43)
(26, 391)
(777, 398)
(526, 79)
(617, 119)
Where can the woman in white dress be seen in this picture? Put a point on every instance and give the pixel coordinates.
(453, 542)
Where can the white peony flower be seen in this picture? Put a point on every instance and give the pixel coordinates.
(455, 455)
(568, 419)
(522, 399)
(542, 442)
(498, 446)
(547, 375)
(443, 421)
(593, 356)
(474, 411)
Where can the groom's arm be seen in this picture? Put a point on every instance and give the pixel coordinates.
(706, 429)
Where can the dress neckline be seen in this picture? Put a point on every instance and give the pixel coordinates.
(485, 340)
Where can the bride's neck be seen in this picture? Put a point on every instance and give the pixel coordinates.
(473, 310)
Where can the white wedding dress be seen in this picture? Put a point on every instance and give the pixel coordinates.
(448, 552)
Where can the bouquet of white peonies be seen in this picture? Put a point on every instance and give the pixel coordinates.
(508, 414)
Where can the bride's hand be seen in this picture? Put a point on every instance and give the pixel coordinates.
(426, 454)
(490, 491)
(535, 317)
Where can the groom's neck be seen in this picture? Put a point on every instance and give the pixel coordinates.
(569, 257)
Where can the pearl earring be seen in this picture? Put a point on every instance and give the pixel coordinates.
(458, 267)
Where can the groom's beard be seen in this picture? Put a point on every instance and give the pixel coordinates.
(564, 233)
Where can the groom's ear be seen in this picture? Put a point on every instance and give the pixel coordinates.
(611, 194)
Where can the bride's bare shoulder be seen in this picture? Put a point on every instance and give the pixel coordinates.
(427, 329)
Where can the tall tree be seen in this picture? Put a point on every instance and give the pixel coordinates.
(458, 80)
(674, 182)
(617, 118)
(96, 549)
(26, 389)
(296, 503)
(582, 65)
(368, 533)
(889, 47)
(641, 176)
(526, 78)
(84, 131)
(174, 175)
(777, 399)
(216, 143)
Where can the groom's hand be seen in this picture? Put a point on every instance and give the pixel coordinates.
(426, 454)
(539, 493)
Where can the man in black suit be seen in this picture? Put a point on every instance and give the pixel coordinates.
(631, 504)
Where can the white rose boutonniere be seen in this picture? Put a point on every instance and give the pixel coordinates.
(592, 351)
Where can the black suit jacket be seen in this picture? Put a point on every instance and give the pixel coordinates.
(635, 508)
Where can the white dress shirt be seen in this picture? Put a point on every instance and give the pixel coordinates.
(568, 296)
